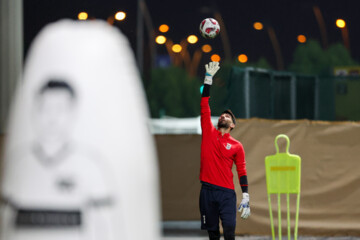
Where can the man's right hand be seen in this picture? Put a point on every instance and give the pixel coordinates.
(211, 69)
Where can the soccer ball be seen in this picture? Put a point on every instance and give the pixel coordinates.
(209, 28)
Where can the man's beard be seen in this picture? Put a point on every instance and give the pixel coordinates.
(223, 124)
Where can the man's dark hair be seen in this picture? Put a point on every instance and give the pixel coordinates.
(57, 84)
(228, 111)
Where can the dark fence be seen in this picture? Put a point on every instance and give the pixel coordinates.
(285, 95)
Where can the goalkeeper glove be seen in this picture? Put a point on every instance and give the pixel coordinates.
(244, 206)
(211, 69)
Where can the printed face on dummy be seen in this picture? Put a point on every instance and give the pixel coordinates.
(225, 121)
(53, 116)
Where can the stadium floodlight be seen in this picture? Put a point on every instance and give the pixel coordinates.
(206, 48)
(160, 39)
(176, 48)
(243, 58)
(215, 58)
(164, 28)
(120, 16)
(340, 23)
(258, 26)
(83, 16)
(192, 39)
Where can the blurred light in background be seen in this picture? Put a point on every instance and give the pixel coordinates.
(164, 28)
(301, 38)
(215, 58)
(340, 23)
(176, 48)
(192, 39)
(242, 58)
(120, 16)
(160, 39)
(258, 25)
(206, 48)
(83, 16)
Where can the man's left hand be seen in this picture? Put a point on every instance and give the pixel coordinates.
(245, 206)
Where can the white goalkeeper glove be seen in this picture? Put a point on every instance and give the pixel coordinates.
(244, 206)
(211, 69)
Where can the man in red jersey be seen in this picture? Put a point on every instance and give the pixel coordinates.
(219, 151)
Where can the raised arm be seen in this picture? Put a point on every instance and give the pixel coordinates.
(211, 69)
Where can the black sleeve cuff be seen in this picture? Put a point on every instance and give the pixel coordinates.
(206, 91)
(244, 184)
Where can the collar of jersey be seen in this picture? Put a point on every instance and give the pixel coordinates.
(226, 135)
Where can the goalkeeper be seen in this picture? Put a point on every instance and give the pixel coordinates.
(218, 153)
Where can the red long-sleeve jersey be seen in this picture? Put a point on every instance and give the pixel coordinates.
(218, 153)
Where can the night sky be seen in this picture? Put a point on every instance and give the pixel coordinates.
(287, 17)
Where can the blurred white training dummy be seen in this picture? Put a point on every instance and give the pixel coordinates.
(79, 163)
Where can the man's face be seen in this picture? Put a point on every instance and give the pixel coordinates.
(225, 121)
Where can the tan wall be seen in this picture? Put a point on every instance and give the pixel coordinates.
(330, 197)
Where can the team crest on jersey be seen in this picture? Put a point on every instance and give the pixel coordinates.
(228, 146)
